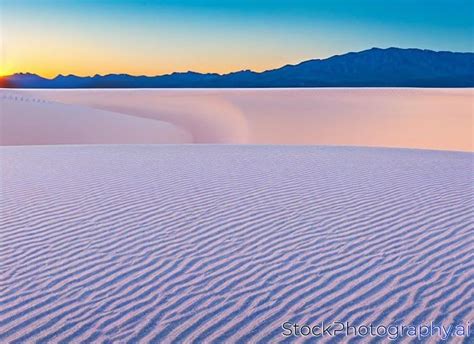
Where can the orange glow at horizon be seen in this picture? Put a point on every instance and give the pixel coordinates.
(82, 56)
(38, 46)
(81, 65)
(51, 37)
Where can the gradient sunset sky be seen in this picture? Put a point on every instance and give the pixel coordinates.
(88, 37)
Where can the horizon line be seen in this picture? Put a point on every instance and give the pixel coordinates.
(231, 72)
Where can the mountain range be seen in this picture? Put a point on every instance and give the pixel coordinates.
(391, 67)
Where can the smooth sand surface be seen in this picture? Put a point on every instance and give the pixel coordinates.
(439, 119)
(222, 244)
(26, 120)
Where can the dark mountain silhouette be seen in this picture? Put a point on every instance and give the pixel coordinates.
(392, 67)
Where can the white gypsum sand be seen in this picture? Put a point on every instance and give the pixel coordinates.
(209, 243)
(26, 120)
(224, 243)
(439, 119)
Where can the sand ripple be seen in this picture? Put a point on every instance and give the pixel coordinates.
(223, 244)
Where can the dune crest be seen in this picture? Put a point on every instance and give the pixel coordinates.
(27, 120)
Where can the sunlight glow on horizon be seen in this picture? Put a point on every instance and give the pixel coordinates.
(5, 71)
(85, 37)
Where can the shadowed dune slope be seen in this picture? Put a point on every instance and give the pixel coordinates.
(225, 243)
(440, 119)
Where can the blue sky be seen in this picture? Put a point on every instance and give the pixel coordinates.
(155, 37)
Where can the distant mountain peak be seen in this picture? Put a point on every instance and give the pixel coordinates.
(374, 67)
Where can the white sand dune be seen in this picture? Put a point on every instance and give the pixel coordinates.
(26, 120)
(440, 119)
(222, 244)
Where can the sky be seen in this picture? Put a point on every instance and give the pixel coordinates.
(154, 37)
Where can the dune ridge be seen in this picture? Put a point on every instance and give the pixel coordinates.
(205, 243)
(29, 120)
